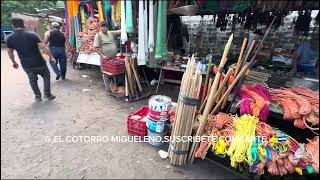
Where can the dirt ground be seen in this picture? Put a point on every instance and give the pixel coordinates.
(25, 153)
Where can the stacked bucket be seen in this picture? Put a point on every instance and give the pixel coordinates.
(158, 119)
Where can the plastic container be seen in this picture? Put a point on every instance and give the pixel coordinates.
(158, 116)
(156, 126)
(158, 107)
(138, 127)
(156, 139)
(114, 65)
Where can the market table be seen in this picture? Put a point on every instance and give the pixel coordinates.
(92, 59)
(175, 69)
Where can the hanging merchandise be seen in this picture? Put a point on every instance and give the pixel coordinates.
(116, 14)
(302, 24)
(161, 49)
(107, 14)
(100, 11)
(145, 20)
(72, 8)
(77, 29)
(151, 28)
(159, 32)
(141, 36)
(89, 8)
(123, 36)
(83, 17)
(129, 17)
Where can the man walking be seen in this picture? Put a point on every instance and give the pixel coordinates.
(27, 45)
(57, 40)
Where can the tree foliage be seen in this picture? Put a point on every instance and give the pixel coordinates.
(9, 6)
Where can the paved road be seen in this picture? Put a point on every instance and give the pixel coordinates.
(25, 125)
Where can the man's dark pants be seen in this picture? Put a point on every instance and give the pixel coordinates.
(33, 79)
(59, 54)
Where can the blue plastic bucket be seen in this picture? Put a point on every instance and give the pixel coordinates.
(156, 126)
(156, 139)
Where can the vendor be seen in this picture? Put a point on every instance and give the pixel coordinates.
(306, 58)
(104, 41)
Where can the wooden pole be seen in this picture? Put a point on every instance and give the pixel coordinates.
(206, 81)
(244, 43)
(226, 94)
(209, 104)
(246, 57)
(136, 75)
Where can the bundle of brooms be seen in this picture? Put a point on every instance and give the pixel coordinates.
(185, 113)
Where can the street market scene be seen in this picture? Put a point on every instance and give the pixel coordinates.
(160, 89)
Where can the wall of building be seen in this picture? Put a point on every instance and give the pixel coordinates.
(282, 37)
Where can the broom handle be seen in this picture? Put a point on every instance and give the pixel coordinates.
(136, 75)
(206, 81)
(203, 120)
(241, 54)
(226, 94)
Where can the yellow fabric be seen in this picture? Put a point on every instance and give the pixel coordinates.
(83, 18)
(100, 10)
(72, 7)
(118, 13)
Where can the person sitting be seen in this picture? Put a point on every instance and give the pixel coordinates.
(306, 58)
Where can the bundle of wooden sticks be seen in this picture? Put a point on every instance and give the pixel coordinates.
(132, 83)
(185, 113)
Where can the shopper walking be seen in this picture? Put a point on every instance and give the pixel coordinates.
(27, 45)
(57, 41)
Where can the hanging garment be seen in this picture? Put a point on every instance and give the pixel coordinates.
(151, 29)
(117, 14)
(89, 8)
(129, 18)
(72, 7)
(141, 41)
(123, 36)
(83, 17)
(164, 25)
(113, 9)
(107, 14)
(77, 29)
(162, 50)
(145, 18)
(72, 11)
(160, 36)
(100, 11)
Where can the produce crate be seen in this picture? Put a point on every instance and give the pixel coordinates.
(114, 65)
(138, 127)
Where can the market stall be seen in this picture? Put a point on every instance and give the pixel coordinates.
(83, 20)
(241, 89)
